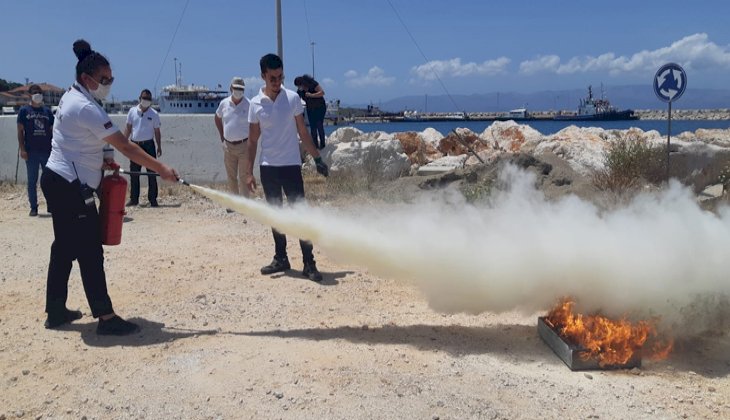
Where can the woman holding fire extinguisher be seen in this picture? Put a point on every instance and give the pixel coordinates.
(81, 130)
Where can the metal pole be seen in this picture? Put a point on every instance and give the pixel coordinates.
(279, 45)
(312, 43)
(17, 162)
(669, 135)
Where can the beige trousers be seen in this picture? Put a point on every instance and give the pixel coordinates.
(235, 157)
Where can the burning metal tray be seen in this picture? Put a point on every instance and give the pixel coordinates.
(574, 356)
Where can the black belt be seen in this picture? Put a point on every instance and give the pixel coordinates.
(237, 141)
(140, 142)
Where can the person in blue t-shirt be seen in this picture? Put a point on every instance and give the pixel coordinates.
(35, 130)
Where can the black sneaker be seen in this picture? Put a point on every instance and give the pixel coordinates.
(55, 320)
(310, 271)
(154, 204)
(33, 213)
(116, 326)
(131, 203)
(276, 266)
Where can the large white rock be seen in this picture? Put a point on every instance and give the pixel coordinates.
(431, 136)
(344, 135)
(383, 157)
(511, 137)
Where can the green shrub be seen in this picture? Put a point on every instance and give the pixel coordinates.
(627, 161)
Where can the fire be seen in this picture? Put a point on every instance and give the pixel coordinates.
(612, 342)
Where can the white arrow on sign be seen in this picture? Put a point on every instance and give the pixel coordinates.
(676, 75)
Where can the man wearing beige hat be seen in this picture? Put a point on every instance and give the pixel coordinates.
(231, 119)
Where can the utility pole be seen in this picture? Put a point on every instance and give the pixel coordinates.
(279, 45)
(312, 44)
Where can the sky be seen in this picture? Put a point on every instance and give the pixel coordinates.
(366, 52)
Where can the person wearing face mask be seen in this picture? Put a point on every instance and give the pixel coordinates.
(142, 123)
(35, 129)
(231, 120)
(72, 176)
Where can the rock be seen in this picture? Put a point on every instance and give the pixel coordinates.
(382, 158)
(588, 375)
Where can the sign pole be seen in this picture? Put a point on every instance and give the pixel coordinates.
(669, 135)
(670, 81)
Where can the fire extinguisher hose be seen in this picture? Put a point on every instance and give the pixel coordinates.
(122, 171)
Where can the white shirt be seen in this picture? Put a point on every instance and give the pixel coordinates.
(78, 132)
(235, 118)
(279, 139)
(143, 123)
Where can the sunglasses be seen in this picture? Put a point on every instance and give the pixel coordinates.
(145, 99)
(104, 81)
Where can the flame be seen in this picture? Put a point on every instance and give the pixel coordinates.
(612, 342)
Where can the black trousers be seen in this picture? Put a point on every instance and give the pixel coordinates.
(316, 124)
(274, 180)
(77, 236)
(149, 147)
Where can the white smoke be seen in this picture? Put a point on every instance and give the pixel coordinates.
(659, 255)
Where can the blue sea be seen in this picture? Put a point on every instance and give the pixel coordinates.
(544, 127)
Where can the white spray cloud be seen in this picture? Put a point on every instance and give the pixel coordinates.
(374, 77)
(455, 68)
(693, 52)
(655, 256)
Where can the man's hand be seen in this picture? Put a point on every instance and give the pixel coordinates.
(168, 174)
(321, 167)
(251, 183)
(159, 151)
(24, 155)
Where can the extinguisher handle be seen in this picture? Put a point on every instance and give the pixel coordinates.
(112, 166)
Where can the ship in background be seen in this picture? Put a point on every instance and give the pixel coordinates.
(189, 99)
(592, 109)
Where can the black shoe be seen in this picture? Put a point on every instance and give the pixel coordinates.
(55, 320)
(33, 213)
(277, 265)
(116, 326)
(132, 203)
(310, 271)
(154, 204)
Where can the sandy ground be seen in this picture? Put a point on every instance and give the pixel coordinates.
(219, 340)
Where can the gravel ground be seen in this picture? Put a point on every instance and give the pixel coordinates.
(219, 340)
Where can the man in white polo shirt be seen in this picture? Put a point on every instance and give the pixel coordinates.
(275, 120)
(231, 119)
(143, 123)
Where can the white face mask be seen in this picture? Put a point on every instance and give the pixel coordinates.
(37, 98)
(237, 94)
(145, 103)
(101, 92)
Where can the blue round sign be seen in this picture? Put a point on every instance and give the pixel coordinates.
(669, 82)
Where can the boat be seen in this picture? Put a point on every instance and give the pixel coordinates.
(189, 99)
(592, 109)
(519, 114)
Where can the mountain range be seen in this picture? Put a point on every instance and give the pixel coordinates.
(622, 97)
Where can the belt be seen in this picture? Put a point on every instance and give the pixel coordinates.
(237, 141)
(141, 141)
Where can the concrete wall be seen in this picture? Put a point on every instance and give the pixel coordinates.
(190, 144)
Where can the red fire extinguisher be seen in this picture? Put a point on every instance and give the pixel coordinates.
(111, 210)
